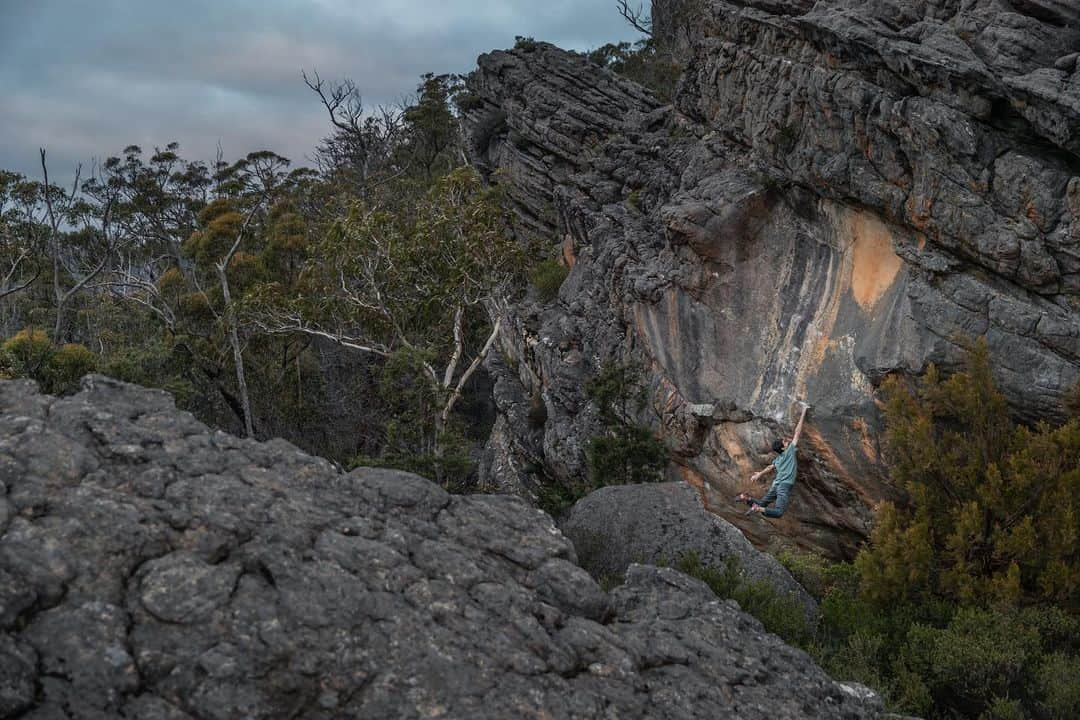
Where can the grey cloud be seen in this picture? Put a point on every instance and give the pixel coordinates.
(86, 80)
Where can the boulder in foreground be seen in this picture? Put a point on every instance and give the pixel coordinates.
(151, 568)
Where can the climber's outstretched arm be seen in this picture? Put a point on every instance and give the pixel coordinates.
(798, 428)
(762, 473)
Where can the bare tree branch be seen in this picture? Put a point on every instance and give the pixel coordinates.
(24, 254)
(459, 348)
(459, 388)
(636, 17)
(285, 325)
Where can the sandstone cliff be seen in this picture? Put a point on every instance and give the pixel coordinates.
(840, 191)
(151, 568)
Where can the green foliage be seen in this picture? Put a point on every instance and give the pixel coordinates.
(414, 440)
(525, 43)
(940, 659)
(432, 127)
(627, 451)
(30, 349)
(630, 454)
(644, 62)
(220, 224)
(547, 277)
(984, 657)
(555, 498)
(152, 364)
(469, 102)
(780, 615)
(994, 512)
(161, 318)
(1004, 709)
(66, 366)
(963, 604)
(377, 271)
(617, 392)
(1059, 691)
(30, 353)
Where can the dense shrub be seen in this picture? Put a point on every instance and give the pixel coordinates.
(66, 366)
(645, 62)
(547, 277)
(627, 452)
(30, 353)
(963, 604)
(781, 615)
(413, 440)
(153, 364)
(30, 349)
(994, 507)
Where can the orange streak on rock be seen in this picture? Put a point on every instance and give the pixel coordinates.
(874, 262)
(568, 254)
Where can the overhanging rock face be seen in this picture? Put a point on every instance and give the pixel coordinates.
(841, 191)
(153, 569)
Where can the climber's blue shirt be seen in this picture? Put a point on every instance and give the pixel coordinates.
(785, 466)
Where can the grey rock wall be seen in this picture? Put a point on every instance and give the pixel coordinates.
(840, 192)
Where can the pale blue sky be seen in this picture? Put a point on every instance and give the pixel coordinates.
(85, 79)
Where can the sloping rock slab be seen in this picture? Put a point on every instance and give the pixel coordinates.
(657, 523)
(153, 569)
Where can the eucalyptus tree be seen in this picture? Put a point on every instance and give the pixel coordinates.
(21, 232)
(427, 285)
(246, 188)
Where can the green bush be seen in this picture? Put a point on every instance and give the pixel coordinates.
(993, 506)
(413, 439)
(65, 366)
(555, 498)
(783, 616)
(547, 277)
(30, 349)
(1058, 681)
(527, 44)
(627, 452)
(981, 656)
(152, 364)
(468, 102)
(30, 353)
(628, 455)
(939, 659)
(645, 62)
(10, 368)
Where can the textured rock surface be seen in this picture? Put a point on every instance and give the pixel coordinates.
(656, 524)
(153, 569)
(840, 192)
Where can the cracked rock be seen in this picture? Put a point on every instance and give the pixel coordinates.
(226, 578)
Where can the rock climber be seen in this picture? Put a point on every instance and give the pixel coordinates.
(785, 466)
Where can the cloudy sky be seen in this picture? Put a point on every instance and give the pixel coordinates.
(85, 79)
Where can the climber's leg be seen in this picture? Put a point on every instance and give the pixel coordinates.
(783, 495)
(765, 501)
